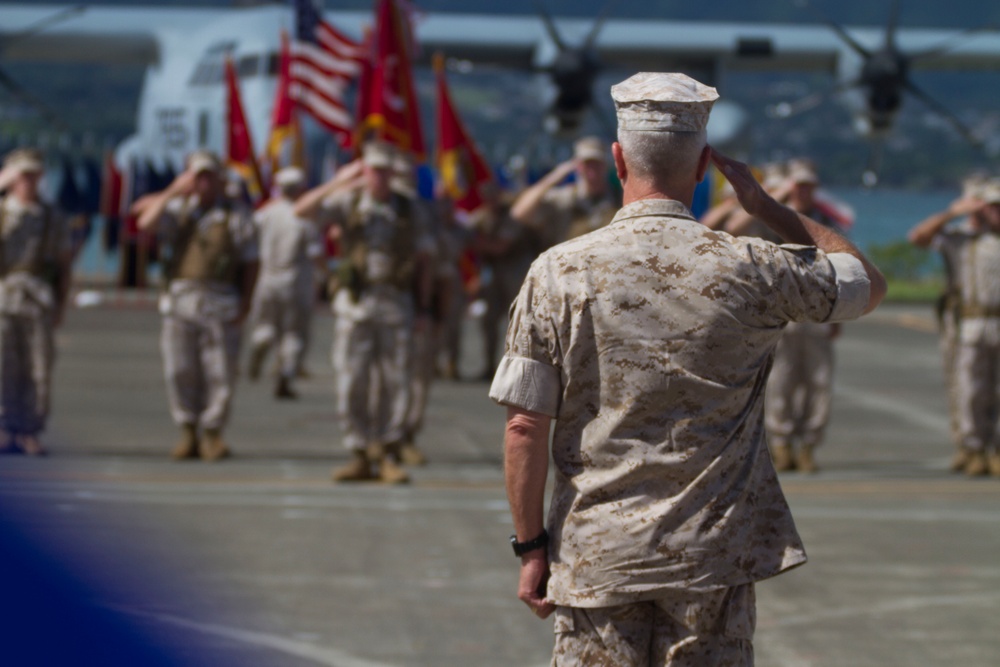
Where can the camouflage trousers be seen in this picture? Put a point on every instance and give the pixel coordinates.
(977, 379)
(800, 388)
(283, 320)
(681, 629)
(200, 360)
(371, 362)
(422, 366)
(949, 357)
(27, 353)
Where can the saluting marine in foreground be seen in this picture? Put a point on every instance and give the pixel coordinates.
(649, 342)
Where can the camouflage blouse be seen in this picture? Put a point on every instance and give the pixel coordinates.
(649, 341)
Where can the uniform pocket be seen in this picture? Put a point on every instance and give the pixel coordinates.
(563, 620)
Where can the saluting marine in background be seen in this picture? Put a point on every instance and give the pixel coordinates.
(560, 212)
(210, 265)
(972, 249)
(290, 246)
(35, 264)
(382, 292)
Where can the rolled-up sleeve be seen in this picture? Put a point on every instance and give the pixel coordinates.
(853, 287)
(527, 384)
(529, 376)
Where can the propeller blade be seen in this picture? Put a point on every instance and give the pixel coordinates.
(550, 25)
(838, 29)
(944, 112)
(892, 25)
(595, 30)
(18, 91)
(949, 43)
(44, 24)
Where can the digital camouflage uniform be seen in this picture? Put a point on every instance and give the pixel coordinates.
(566, 212)
(373, 308)
(204, 253)
(975, 255)
(283, 296)
(649, 342)
(800, 389)
(506, 273)
(34, 239)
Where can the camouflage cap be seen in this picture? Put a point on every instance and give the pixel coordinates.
(990, 192)
(24, 160)
(203, 160)
(379, 155)
(972, 185)
(590, 148)
(289, 177)
(663, 102)
(802, 171)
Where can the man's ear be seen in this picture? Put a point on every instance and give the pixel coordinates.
(704, 160)
(620, 168)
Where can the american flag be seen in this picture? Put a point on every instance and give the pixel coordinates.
(323, 63)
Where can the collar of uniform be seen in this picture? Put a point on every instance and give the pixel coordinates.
(647, 207)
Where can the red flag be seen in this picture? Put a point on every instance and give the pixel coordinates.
(461, 166)
(284, 147)
(239, 151)
(391, 104)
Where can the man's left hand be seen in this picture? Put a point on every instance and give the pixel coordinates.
(534, 578)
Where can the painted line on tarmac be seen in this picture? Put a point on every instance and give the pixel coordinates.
(902, 410)
(319, 654)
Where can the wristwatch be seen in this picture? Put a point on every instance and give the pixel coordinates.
(521, 548)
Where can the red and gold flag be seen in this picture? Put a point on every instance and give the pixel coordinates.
(239, 144)
(460, 164)
(390, 100)
(284, 146)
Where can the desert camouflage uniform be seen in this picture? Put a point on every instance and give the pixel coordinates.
(649, 342)
(800, 388)
(372, 328)
(283, 297)
(976, 258)
(32, 236)
(201, 334)
(506, 273)
(566, 212)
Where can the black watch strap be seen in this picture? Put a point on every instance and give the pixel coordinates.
(521, 548)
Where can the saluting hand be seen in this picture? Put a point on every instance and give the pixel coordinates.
(750, 193)
(965, 206)
(183, 184)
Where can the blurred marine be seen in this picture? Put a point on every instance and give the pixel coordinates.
(210, 261)
(35, 263)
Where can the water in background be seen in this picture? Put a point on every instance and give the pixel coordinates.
(883, 216)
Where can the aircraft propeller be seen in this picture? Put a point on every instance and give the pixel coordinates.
(573, 72)
(885, 80)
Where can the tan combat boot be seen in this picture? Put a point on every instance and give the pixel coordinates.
(805, 461)
(283, 390)
(960, 460)
(359, 469)
(993, 464)
(410, 454)
(214, 448)
(781, 454)
(389, 470)
(977, 465)
(187, 446)
(30, 445)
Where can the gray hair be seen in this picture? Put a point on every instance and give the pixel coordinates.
(662, 157)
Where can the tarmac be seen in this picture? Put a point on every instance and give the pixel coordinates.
(261, 560)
